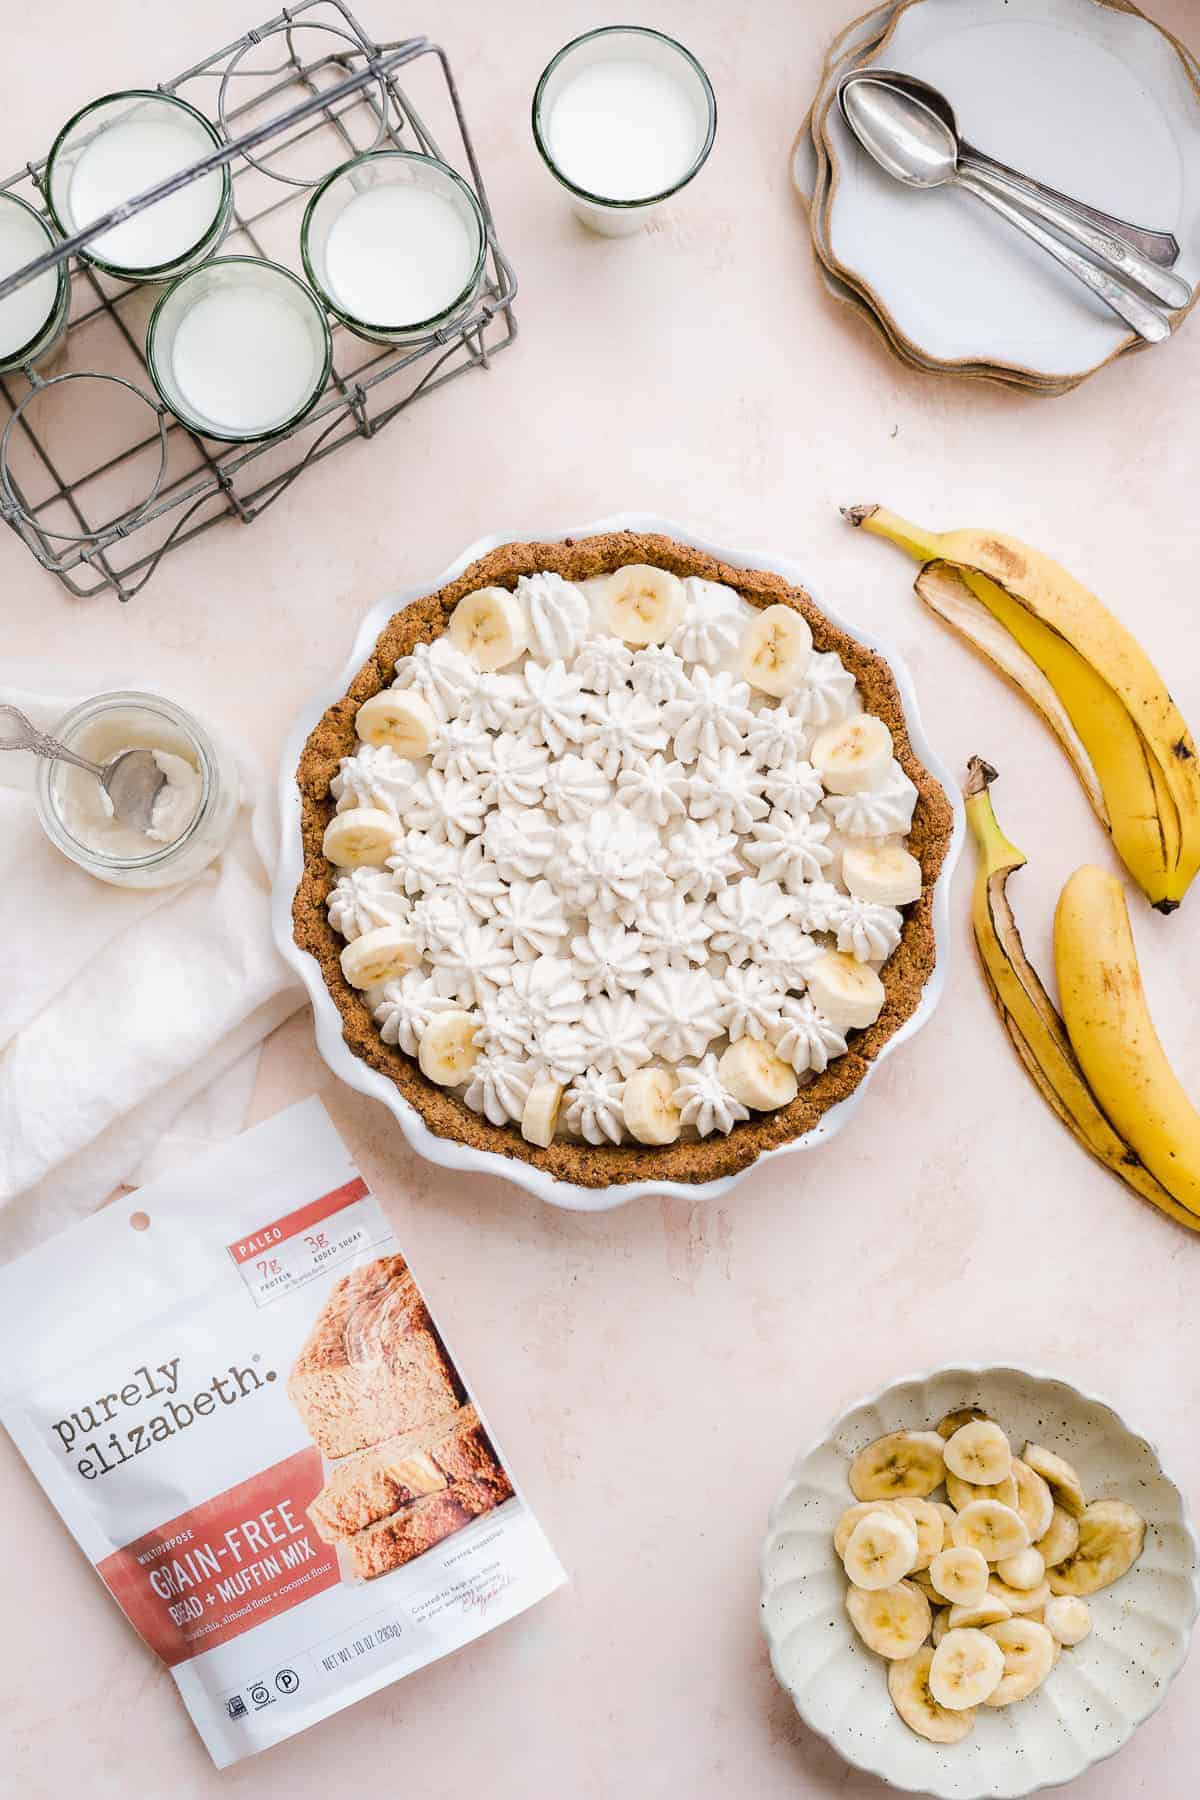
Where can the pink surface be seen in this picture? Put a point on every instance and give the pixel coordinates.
(652, 1372)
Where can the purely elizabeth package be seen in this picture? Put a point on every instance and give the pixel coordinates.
(253, 1427)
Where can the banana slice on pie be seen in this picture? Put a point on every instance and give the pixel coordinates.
(775, 650)
(447, 1050)
(399, 718)
(854, 756)
(361, 837)
(539, 1118)
(651, 1115)
(1111, 1538)
(908, 1685)
(489, 627)
(902, 1462)
(757, 1077)
(380, 955)
(645, 605)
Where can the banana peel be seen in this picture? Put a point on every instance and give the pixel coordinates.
(1038, 1031)
(1088, 677)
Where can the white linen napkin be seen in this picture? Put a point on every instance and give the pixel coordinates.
(130, 1020)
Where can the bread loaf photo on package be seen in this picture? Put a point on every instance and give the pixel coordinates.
(407, 1462)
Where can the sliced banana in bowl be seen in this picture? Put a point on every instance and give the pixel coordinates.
(1082, 1604)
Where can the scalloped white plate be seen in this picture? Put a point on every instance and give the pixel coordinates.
(448, 1152)
(1095, 102)
(1098, 1694)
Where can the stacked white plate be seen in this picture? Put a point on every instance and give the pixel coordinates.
(1089, 96)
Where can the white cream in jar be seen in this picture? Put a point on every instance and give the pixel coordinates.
(194, 810)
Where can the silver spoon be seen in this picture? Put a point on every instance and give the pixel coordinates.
(131, 780)
(1144, 256)
(914, 146)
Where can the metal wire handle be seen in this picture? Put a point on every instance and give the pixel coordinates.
(374, 69)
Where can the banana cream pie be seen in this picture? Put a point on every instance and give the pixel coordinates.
(617, 859)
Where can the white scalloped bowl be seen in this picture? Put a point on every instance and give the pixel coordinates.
(449, 1152)
(1098, 1694)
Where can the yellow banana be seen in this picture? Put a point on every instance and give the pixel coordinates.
(1120, 714)
(1112, 1033)
(1034, 1025)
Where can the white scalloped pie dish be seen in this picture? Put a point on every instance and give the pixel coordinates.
(449, 1152)
(1099, 1692)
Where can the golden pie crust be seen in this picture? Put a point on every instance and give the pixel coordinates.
(595, 1166)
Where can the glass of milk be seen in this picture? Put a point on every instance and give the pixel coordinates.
(623, 117)
(115, 149)
(194, 812)
(239, 349)
(395, 245)
(33, 316)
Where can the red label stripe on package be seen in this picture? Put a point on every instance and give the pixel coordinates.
(227, 1564)
(294, 1224)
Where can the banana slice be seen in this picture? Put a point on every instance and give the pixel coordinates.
(941, 1624)
(489, 627)
(1021, 1602)
(399, 718)
(967, 1667)
(920, 1579)
(379, 955)
(988, 1611)
(1028, 1658)
(539, 1116)
(948, 1517)
(1111, 1537)
(753, 1074)
(1061, 1539)
(954, 1421)
(891, 1621)
(853, 756)
(882, 1550)
(960, 1575)
(851, 1517)
(360, 837)
(930, 1528)
(908, 1685)
(1035, 1502)
(885, 873)
(775, 650)
(903, 1462)
(651, 1114)
(1059, 1477)
(979, 1453)
(994, 1530)
(448, 1050)
(1025, 1570)
(645, 605)
(1067, 1619)
(962, 1493)
(849, 993)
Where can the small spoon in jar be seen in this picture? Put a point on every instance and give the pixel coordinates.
(132, 780)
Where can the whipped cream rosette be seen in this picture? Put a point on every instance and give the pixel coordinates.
(617, 856)
(365, 900)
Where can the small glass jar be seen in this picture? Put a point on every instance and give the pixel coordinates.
(115, 149)
(240, 350)
(623, 117)
(395, 245)
(34, 316)
(68, 799)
